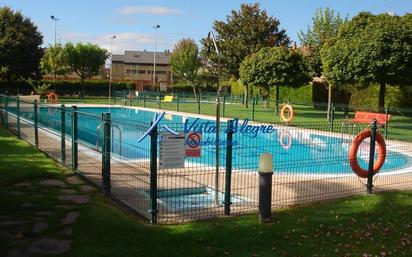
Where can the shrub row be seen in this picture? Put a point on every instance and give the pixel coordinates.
(69, 88)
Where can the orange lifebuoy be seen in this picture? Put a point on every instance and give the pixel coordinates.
(285, 144)
(289, 109)
(353, 160)
(52, 97)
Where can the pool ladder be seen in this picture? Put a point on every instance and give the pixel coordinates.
(113, 127)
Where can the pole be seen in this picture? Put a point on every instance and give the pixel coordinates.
(74, 139)
(36, 122)
(111, 68)
(332, 116)
(6, 114)
(63, 133)
(386, 122)
(253, 108)
(228, 179)
(18, 117)
(211, 35)
(153, 176)
(177, 102)
(374, 128)
(154, 57)
(106, 147)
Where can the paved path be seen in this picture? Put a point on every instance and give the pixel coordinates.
(43, 221)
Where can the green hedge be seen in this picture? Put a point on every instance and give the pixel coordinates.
(69, 88)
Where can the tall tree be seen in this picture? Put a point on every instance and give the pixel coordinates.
(20, 50)
(86, 60)
(55, 61)
(325, 26)
(371, 49)
(185, 63)
(244, 32)
(274, 66)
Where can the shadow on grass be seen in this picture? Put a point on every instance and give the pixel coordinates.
(19, 161)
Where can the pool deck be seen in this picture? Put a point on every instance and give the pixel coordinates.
(128, 178)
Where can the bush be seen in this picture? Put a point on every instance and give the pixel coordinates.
(69, 88)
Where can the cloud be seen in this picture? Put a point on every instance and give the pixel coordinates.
(123, 41)
(154, 10)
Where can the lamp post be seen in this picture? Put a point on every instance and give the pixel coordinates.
(55, 35)
(154, 57)
(111, 68)
(212, 36)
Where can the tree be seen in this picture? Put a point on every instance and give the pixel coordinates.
(274, 66)
(185, 63)
(244, 33)
(325, 26)
(55, 61)
(20, 50)
(86, 60)
(371, 49)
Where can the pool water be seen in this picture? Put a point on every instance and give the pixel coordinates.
(180, 199)
(294, 150)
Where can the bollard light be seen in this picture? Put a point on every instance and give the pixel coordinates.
(265, 163)
(265, 187)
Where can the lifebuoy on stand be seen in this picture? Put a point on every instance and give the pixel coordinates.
(52, 97)
(353, 158)
(287, 108)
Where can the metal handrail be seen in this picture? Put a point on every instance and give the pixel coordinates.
(120, 136)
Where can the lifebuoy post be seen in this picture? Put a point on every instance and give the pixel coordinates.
(374, 128)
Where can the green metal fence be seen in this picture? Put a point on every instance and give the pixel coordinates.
(104, 148)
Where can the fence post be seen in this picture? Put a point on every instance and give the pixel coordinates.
(18, 117)
(224, 105)
(36, 124)
(153, 176)
(74, 140)
(6, 114)
(332, 116)
(253, 108)
(160, 100)
(228, 179)
(144, 99)
(374, 128)
(177, 102)
(106, 152)
(387, 122)
(63, 133)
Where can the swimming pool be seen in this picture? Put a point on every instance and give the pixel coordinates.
(294, 150)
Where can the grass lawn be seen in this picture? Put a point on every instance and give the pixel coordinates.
(373, 225)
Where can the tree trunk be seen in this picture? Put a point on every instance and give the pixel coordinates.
(382, 91)
(197, 98)
(329, 102)
(246, 99)
(277, 100)
(266, 100)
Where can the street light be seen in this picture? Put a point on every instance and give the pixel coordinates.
(111, 67)
(154, 57)
(55, 30)
(212, 36)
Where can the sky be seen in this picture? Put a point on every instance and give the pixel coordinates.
(132, 21)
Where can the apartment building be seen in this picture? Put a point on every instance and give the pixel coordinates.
(138, 67)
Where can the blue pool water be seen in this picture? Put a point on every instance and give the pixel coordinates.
(294, 150)
(191, 198)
